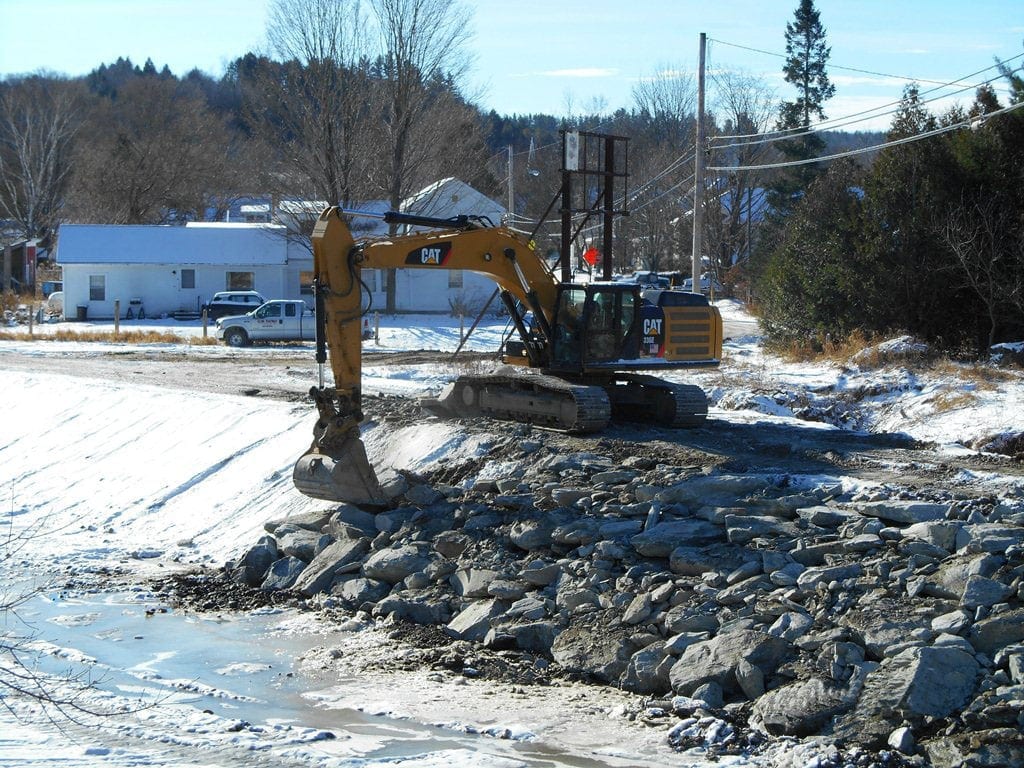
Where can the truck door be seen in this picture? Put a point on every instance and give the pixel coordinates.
(270, 321)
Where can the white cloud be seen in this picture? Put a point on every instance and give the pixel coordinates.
(582, 72)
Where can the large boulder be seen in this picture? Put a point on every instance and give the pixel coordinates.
(802, 708)
(597, 653)
(718, 659)
(919, 683)
(394, 564)
(339, 557)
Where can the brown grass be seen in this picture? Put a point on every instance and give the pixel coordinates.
(953, 400)
(124, 337)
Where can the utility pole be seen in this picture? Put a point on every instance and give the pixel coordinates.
(511, 191)
(698, 174)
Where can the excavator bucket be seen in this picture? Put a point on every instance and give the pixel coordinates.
(344, 475)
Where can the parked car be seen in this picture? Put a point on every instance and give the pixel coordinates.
(225, 303)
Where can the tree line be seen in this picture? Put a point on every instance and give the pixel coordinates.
(351, 103)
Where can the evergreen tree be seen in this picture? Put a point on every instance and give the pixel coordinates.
(806, 58)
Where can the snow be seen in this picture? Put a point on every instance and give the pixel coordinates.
(108, 473)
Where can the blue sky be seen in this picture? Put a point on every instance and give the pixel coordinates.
(553, 57)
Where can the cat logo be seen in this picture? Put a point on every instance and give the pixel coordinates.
(429, 255)
(652, 327)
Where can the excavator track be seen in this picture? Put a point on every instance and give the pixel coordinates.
(652, 400)
(545, 401)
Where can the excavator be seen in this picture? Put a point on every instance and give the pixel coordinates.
(583, 356)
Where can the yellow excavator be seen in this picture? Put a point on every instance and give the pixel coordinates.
(581, 350)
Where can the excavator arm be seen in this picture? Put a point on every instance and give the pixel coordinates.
(336, 467)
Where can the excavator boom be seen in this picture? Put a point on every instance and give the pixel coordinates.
(588, 343)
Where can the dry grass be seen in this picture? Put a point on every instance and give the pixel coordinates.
(953, 400)
(124, 337)
(984, 377)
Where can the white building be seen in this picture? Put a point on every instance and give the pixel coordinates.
(175, 269)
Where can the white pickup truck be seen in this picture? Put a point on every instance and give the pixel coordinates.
(278, 320)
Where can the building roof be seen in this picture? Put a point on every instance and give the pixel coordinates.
(199, 243)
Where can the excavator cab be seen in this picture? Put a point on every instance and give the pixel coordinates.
(595, 325)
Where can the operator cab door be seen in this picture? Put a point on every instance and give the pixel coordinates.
(596, 326)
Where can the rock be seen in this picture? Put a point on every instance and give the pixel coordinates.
(995, 632)
(472, 582)
(915, 684)
(980, 591)
(259, 557)
(988, 537)
(939, 533)
(612, 477)
(359, 590)
(705, 489)
(529, 608)
(332, 560)
(992, 748)
(682, 619)
(450, 544)
(313, 520)
(904, 512)
(350, 515)
(420, 610)
(902, 740)
(691, 561)
(504, 589)
(742, 529)
(474, 622)
(802, 708)
(810, 578)
(300, 542)
(422, 495)
(534, 637)
(638, 610)
(791, 625)
(566, 497)
(661, 539)
(750, 679)
(952, 623)
(572, 598)
(620, 529)
(711, 694)
(283, 573)
(602, 655)
(531, 535)
(717, 659)
(393, 520)
(647, 671)
(540, 573)
(393, 565)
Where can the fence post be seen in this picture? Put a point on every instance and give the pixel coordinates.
(117, 317)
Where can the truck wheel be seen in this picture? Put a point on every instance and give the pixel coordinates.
(236, 337)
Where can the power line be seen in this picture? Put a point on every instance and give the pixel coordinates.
(862, 150)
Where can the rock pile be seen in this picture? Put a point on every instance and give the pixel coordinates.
(736, 602)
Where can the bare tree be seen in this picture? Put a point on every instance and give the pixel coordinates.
(310, 105)
(39, 121)
(668, 99)
(423, 47)
(986, 239)
(154, 155)
(744, 108)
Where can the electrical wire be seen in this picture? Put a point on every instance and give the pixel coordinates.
(862, 150)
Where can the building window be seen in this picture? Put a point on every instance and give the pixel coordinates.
(306, 283)
(97, 287)
(370, 278)
(188, 279)
(240, 281)
(455, 278)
